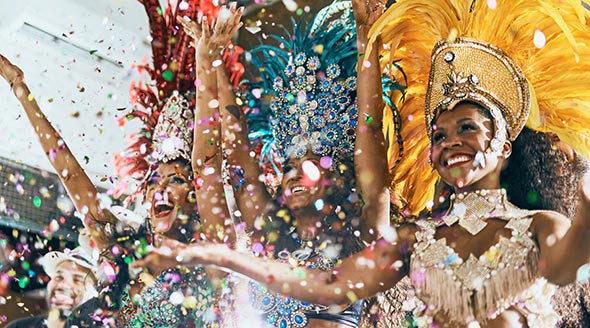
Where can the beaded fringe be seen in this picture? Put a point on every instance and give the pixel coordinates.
(498, 292)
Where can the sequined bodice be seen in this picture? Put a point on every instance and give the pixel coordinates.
(475, 289)
(177, 298)
(285, 312)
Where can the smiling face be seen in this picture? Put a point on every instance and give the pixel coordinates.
(167, 191)
(460, 148)
(304, 182)
(67, 288)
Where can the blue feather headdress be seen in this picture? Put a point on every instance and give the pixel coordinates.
(311, 79)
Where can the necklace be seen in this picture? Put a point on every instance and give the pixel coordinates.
(472, 209)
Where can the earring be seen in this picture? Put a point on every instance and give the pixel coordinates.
(192, 197)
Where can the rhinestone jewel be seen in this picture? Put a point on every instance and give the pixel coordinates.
(449, 57)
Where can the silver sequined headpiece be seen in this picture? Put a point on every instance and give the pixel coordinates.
(173, 134)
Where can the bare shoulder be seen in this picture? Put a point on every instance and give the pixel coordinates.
(549, 222)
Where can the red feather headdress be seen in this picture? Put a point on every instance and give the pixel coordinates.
(173, 72)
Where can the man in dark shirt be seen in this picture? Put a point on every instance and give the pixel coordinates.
(73, 280)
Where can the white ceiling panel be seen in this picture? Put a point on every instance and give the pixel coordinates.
(77, 57)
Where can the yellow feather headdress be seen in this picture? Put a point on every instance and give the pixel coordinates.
(548, 40)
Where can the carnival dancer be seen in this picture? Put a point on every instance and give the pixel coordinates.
(484, 262)
(161, 154)
(314, 220)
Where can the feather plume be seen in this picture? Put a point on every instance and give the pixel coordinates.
(549, 40)
(172, 69)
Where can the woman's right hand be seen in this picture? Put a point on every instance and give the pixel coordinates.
(214, 36)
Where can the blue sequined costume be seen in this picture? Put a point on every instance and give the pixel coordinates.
(311, 79)
(284, 312)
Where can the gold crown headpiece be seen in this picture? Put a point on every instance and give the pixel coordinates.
(548, 39)
(471, 70)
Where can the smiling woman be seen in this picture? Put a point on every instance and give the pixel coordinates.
(173, 197)
(460, 151)
(316, 218)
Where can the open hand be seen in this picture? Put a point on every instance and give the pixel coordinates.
(227, 24)
(192, 28)
(214, 35)
(366, 12)
(10, 72)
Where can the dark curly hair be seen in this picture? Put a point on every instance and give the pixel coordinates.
(539, 176)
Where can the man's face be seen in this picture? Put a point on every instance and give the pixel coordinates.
(66, 290)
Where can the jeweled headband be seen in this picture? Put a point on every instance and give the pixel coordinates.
(315, 109)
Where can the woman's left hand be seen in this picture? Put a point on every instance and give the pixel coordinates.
(10, 72)
(227, 24)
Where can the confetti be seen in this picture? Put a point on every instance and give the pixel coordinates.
(310, 170)
(37, 201)
(539, 39)
(290, 5)
(167, 74)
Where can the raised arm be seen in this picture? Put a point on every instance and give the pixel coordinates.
(564, 247)
(370, 160)
(206, 154)
(78, 185)
(382, 266)
(250, 192)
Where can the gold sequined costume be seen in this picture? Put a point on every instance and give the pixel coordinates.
(528, 63)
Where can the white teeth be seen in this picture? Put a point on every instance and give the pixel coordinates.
(457, 159)
(163, 202)
(297, 189)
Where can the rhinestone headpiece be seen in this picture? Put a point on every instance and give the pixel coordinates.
(173, 135)
(312, 83)
(314, 109)
(472, 70)
(164, 100)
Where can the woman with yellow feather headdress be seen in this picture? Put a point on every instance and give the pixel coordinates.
(481, 71)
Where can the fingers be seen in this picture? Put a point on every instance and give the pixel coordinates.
(191, 28)
(206, 31)
(143, 263)
(10, 72)
(172, 244)
(229, 20)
